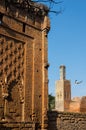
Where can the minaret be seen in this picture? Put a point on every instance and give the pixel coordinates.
(63, 91)
(62, 72)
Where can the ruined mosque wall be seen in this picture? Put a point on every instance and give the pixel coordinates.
(66, 121)
(23, 66)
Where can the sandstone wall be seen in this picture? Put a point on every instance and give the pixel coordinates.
(66, 121)
(17, 126)
(23, 65)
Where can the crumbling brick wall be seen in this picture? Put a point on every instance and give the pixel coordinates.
(66, 121)
(23, 65)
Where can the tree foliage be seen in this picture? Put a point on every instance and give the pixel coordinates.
(51, 102)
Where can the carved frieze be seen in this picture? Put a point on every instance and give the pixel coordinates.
(11, 59)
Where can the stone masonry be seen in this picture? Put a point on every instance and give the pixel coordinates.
(23, 67)
(24, 72)
(63, 91)
(63, 101)
(66, 121)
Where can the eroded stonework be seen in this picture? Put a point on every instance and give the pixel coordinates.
(23, 68)
(63, 101)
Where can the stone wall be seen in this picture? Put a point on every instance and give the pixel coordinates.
(17, 126)
(66, 121)
(23, 64)
(78, 104)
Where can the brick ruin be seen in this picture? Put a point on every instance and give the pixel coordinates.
(23, 67)
(63, 100)
(63, 91)
(24, 72)
(66, 121)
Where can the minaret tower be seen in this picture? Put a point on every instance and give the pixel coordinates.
(62, 72)
(63, 91)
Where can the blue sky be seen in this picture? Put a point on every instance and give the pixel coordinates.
(67, 45)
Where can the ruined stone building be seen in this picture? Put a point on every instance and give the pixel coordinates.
(69, 114)
(63, 101)
(63, 91)
(24, 72)
(23, 66)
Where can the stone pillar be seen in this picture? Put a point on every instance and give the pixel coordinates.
(46, 27)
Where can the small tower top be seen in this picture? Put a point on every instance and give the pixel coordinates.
(62, 72)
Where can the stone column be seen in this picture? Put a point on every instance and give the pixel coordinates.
(46, 27)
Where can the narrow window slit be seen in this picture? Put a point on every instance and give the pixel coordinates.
(1, 17)
(24, 25)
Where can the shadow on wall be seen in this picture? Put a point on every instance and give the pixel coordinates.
(52, 117)
(4, 128)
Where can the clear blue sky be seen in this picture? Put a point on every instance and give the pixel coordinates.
(67, 45)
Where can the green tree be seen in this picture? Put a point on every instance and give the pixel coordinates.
(51, 102)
